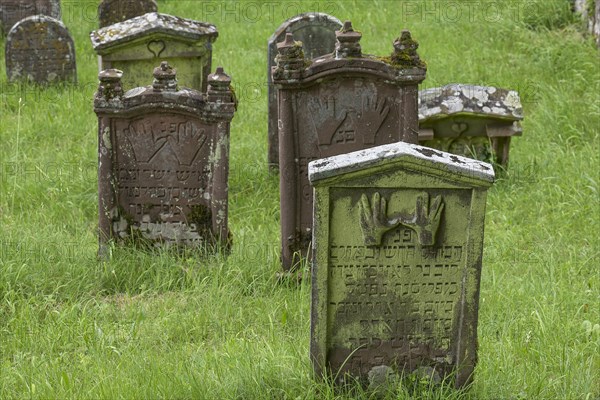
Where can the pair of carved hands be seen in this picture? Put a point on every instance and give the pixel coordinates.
(374, 221)
(185, 142)
(366, 122)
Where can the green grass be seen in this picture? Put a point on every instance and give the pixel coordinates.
(158, 325)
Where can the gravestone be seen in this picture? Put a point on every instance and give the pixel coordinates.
(113, 11)
(334, 104)
(12, 11)
(163, 161)
(316, 31)
(398, 242)
(135, 46)
(472, 121)
(40, 49)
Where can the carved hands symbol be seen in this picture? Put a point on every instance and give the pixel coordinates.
(425, 221)
(326, 120)
(373, 219)
(369, 120)
(144, 148)
(427, 218)
(187, 143)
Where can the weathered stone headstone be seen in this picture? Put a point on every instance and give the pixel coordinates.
(397, 241)
(113, 11)
(40, 49)
(334, 104)
(163, 161)
(316, 31)
(12, 11)
(472, 121)
(135, 46)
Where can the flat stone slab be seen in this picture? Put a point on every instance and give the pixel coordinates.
(469, 120)
(40, 49)
(12, 11)
(113, 11)
(398, 244)
(143, 26)
(458, 98)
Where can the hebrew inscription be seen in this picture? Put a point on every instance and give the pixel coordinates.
(163, 177)
(395, 279)
(40, 49)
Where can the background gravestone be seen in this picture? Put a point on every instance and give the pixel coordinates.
(12, 11)
(316, 31)
(334, 104)
(113, 11)
(40, 49)
(137, 45)
(398, 244)
(472, 121)
(163, 161)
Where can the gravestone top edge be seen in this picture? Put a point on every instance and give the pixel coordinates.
(400, 152)
(135, 28)
(456, 98)
(163, 92)
(293, 68)
(37, 19)
(367, 64)
(307, 17)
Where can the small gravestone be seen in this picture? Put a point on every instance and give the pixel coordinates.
(335, 104)
(40, 49)
(113, 11)
(163, 161)
(398, 242)
(137, 45)
(12, 11)
(472, 121)
(316, 31)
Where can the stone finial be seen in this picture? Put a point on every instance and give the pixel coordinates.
(110, 84)
(348, 42)
(405, 51)
(289, 59)
(165, 78)
(219, 88)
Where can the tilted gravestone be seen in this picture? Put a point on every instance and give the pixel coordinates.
(135, 46)
(335, 104)
(40, 49)
(316, 31)
(397, 241)
(113, 11)
(163, 161)
(12, 11)
(473, 121)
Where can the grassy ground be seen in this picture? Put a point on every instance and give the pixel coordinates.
(162, 326)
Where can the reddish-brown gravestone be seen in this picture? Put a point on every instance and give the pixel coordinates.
(334, 104)
(113, 11)
(316, 31)
(40, 49)
(163, 161)
(12, 11)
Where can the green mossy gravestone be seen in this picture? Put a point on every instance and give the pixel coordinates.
(397, 242)
(137, 45)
